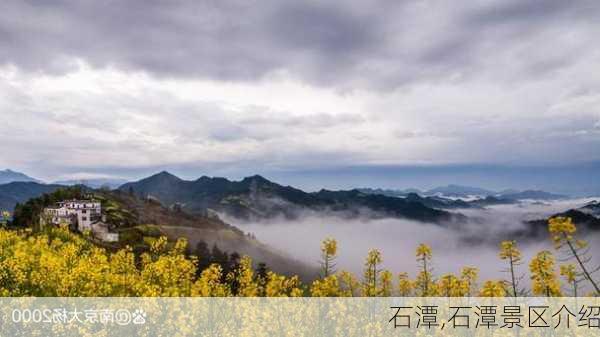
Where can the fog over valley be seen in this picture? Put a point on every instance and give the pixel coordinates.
(283, 226)
(474, 243)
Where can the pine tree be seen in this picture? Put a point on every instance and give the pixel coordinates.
(203, 255)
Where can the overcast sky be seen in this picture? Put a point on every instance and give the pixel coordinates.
(123, 88)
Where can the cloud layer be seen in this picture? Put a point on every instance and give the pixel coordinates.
(397, 240)
(108, 87)
(344, 44)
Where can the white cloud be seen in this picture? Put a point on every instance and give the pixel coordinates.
(105, 118)
(298, 85)
(93, 118)
(110, 119)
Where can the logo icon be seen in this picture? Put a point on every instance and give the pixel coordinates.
(139, 317)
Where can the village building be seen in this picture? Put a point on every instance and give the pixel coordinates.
(83, 215)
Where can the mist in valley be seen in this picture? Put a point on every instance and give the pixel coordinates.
(454, 246)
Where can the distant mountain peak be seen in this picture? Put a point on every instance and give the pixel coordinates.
(93, 182)
(256, 197)
(162, 178)
(533, 194)
(256, 176)
(164, 175)
(257, 179)
(593, 207)
(459, 190)
(9, 176)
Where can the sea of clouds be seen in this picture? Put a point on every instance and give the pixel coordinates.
(471, 244)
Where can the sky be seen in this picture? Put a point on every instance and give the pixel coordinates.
(302, 90)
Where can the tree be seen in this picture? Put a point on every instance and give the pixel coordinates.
(29, 213)
(222, 259)
(233, 262)
(261, 278)
(562, 231)
(203, 255)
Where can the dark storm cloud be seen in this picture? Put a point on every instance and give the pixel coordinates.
(342, 44)
(321, 28)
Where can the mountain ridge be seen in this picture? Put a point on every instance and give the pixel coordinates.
(467, 192)
(8, 176)
(455, 190)
(257, 197)
(19, 192)
(93, 183)
(138, 222)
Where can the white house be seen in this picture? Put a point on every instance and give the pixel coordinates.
(86, 215)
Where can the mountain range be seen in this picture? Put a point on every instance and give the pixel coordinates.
(592, 208)
(185, 208)
(9, 176)
(19, 192)
(586, 218)
(469, 193)
(141, 221)
(459, 191)
(258, 198)
(94, 183)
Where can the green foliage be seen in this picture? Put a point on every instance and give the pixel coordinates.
(28, 214)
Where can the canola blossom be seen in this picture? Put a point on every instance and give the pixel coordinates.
(59, 263)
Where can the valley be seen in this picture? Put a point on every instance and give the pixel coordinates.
(283, 226)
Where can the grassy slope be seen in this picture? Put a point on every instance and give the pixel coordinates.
(143, 220)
